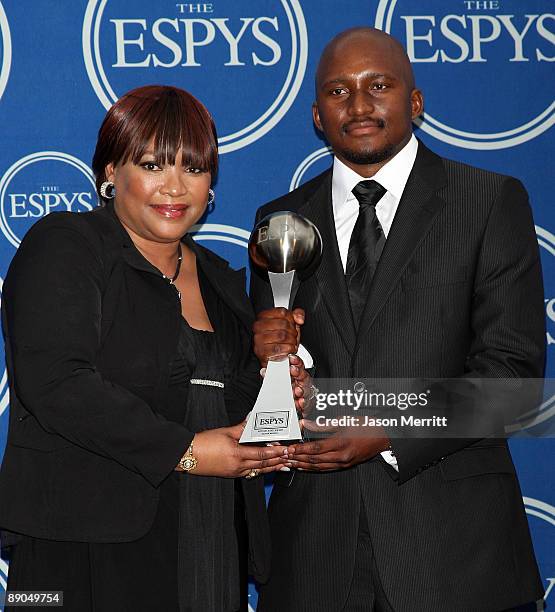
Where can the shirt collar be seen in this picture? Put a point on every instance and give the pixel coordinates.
(393, 176)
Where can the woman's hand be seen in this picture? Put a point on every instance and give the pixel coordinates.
(219, 453)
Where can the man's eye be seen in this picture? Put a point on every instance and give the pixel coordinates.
(379, 86)
(338, 91)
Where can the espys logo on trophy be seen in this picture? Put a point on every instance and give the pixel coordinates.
(289, 248)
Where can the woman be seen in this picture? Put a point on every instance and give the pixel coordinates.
(128, 350)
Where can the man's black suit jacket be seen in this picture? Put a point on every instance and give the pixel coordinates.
(91, 330)
(457, 291)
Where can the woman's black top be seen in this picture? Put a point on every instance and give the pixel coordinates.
(193, 535)
(91, 334)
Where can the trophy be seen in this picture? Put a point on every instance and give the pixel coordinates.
(288, 247)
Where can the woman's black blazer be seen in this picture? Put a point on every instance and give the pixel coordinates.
(91, 329)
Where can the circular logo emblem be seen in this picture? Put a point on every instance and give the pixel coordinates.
(491, 54)
(3, 574)
(311, 166)
(4, 389)
(4, 392)
(230, 238)
(543, 537)
(41, 183)
(245, 60)
(546, 240)
(535, 507)
(5, 50)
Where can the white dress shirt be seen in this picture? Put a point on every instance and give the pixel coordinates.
(393, 176)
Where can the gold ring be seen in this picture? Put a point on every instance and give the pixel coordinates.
(252, 473)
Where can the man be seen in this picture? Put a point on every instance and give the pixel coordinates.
(372, 523)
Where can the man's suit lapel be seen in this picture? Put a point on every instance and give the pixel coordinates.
(417, 210)
(329, 274)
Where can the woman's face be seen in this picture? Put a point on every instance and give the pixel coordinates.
(159, 204)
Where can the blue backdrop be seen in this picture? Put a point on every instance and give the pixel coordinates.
(485, 66)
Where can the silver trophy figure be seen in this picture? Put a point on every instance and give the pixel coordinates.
(289, 248)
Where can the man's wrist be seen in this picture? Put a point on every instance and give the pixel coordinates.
(382, 442)
(389, 447)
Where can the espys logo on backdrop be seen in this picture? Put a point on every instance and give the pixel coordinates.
(4, 392)
(550, 311)
(244, 61)
(228, 235)
(39, 184)
(3, 578)
(540, 509)
(546, 412)
(5, 50)
(477, 62)
(547, 241)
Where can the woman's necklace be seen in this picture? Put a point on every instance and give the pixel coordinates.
(172, 280)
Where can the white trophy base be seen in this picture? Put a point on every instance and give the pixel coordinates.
(274, 416)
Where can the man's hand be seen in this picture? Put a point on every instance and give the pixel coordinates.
(343, 449)
(302, 384)
(277, 333)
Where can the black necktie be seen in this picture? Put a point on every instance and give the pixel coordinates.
(365, 247)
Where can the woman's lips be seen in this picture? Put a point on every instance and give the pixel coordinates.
(170, 211)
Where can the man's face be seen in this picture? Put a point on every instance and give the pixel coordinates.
(364, 101)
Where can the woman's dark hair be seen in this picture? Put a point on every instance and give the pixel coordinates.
(169, 117)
